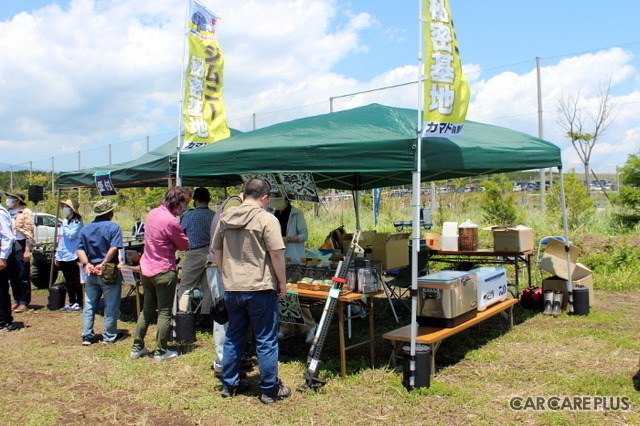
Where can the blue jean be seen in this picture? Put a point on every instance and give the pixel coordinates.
(93, 290)
(260, 310)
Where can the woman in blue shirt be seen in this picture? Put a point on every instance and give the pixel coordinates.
(66, 257)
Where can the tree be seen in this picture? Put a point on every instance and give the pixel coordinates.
(574, 123)
(499, 201)
(580, 207)
(629, 194)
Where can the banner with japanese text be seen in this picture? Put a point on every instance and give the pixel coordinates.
(446, 90)
(204, 115)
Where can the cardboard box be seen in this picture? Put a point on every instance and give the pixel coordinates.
(513, 239)
(556, 283)
(366, 239)
(554, 261)
(433, 240)
(391, 249)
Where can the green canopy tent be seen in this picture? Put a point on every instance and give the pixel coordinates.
(363, 148)
(153, 169)
(370, 147)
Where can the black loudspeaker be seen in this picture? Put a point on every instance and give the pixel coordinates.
(35, 193)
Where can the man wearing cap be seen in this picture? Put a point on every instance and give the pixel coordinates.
(6, 258)
(66, 257)
(196, 224)
(23, 227)
(98, 246)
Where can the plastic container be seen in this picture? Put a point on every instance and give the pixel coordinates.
(185, 331)
(468, 236)
(581, 300)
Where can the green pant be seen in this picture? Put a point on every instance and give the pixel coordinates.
(159, 293)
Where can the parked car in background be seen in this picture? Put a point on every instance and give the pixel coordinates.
(45, 227)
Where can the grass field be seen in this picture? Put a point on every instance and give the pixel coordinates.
(49, 378)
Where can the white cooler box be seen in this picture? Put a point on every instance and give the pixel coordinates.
(492, 286)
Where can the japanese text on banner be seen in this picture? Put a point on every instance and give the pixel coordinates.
(446, 90)
(204, 114)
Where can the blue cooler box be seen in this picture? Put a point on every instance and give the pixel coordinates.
(492, 286)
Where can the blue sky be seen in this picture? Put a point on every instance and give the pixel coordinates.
(78, 75)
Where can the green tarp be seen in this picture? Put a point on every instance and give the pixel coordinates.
(152, 169)
(363, 148)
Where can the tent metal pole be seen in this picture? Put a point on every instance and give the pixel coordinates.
(182, 85)
(415, 225)
(567, 244)
(356, 206)
(55, 240)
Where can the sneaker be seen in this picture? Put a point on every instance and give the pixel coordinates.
(283, 392)
(8, 327)
(241, 388)
(140, 353)
(88, 340)
(283, 336)
(66, 307)
(311, 334)
(74, 308)
(119, 336)
(166, 356)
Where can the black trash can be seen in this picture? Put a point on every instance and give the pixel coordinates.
(185, 331)
(581, 300)
(423, 367)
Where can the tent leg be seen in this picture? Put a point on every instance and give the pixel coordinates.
(565, 225)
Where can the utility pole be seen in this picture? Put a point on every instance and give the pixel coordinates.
(543, 180)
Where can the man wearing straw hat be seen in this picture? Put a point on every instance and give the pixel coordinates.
(98, 247)
(23, 228)
(6, 257)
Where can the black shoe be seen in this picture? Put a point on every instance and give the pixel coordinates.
(119, 336)
(283, 392)
(241, 388)
(8, 327)
(88, 340)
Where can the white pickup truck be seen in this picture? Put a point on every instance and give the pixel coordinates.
(45, 227)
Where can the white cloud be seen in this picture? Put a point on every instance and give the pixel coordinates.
(101, 71)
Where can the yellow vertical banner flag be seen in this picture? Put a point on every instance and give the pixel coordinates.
(204, 115)
(446, 90)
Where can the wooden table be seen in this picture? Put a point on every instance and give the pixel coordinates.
(485, 256)
(364, 300)
(433, 336)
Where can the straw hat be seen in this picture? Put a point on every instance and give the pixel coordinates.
(103, 207)
(72, 204)
(19, 195)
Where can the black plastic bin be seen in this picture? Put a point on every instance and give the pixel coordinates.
(185, 330)
(423, 367)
